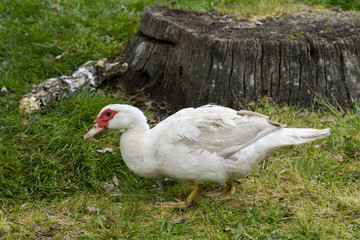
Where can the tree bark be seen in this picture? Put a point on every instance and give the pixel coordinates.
(190, 58)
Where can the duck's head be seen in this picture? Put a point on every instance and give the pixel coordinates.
(117, 117)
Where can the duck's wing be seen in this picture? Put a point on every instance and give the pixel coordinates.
(216, 129)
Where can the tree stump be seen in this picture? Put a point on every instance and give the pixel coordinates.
(190, 58)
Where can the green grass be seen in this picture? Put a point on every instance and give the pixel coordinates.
(346, 5)
(304, 192)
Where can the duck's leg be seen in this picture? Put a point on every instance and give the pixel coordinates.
(190, 200)
(227, 190)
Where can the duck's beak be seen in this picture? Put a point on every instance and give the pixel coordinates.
(95, 130)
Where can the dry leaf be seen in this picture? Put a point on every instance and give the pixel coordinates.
(100, 63)
(56, 6)
(115, 180)
(23, 205)
(58, 57)
(148, 103)
(180, 220)
(37, 228)
(75, 236)
(108, 222)
(24, 121)
(44, 232)
(104, 150)
(230, 229)
(47, 233)
(328, 118)
(93, 209)
(168, 180)
(337, 157)
(354, 154)
(65, 222)
(110, 187)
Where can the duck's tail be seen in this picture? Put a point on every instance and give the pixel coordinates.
(247, 158)
(302, 135)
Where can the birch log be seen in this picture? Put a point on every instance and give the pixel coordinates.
(91, 74)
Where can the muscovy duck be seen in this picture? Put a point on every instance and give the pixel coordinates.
(198, 145)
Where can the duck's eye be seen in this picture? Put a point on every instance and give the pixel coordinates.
(108, 114)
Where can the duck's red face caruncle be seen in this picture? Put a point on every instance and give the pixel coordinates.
(101, 123)
(104, 118)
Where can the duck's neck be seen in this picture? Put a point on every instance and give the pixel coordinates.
(133, 145)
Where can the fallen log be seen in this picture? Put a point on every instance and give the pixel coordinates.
(91, 74)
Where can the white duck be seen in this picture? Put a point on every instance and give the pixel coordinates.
(198, 145)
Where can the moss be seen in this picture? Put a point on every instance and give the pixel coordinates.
(294, 36)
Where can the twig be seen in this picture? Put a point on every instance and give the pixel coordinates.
(63, 186)
(263, 166)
